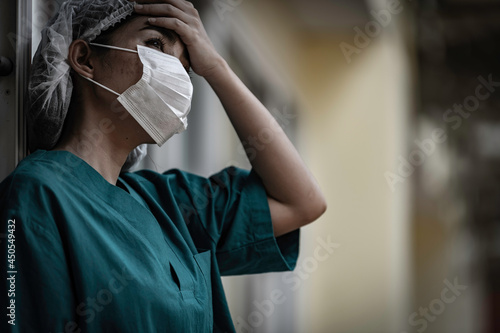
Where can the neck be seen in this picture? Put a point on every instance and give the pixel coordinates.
(105, 157)
(99, 142)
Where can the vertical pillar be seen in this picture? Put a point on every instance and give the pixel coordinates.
(15, 57)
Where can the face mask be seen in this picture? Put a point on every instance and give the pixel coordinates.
(161, 100)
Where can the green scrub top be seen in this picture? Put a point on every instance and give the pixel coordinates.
(146, 255)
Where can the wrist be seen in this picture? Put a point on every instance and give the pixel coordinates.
(219, 70)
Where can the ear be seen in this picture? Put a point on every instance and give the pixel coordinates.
(79, 58)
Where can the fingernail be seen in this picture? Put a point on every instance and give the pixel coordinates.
(152, 19)
(139, 6)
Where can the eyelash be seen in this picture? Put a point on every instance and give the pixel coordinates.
(161, 41)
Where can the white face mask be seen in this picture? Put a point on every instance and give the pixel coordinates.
(161, 100)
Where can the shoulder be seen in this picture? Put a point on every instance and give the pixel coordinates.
(30, 184)
(34, 170)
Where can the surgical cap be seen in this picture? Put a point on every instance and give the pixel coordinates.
(50, 85)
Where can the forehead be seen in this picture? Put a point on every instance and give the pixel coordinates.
(136, 24)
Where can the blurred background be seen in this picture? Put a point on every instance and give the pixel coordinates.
(392, 104)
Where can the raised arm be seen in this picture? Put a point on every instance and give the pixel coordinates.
(294, 196)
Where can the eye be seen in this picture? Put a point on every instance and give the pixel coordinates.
(157, 43)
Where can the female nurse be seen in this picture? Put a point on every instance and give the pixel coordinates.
(91, 248)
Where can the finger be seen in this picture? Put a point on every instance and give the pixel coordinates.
(181, 28)
(168, 11)
(147, 8)
(155, 5)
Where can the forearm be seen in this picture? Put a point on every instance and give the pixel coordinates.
(272, 155)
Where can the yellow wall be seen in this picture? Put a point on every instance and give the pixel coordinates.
(353, 121)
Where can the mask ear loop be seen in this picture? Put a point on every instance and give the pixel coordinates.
(109, 47)
(114, 47)
(100, 85)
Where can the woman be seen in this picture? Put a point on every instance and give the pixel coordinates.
(100, 250)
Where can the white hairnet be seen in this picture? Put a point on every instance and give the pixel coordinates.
(50, 85)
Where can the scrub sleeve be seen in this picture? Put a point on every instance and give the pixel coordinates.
(229, 214)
